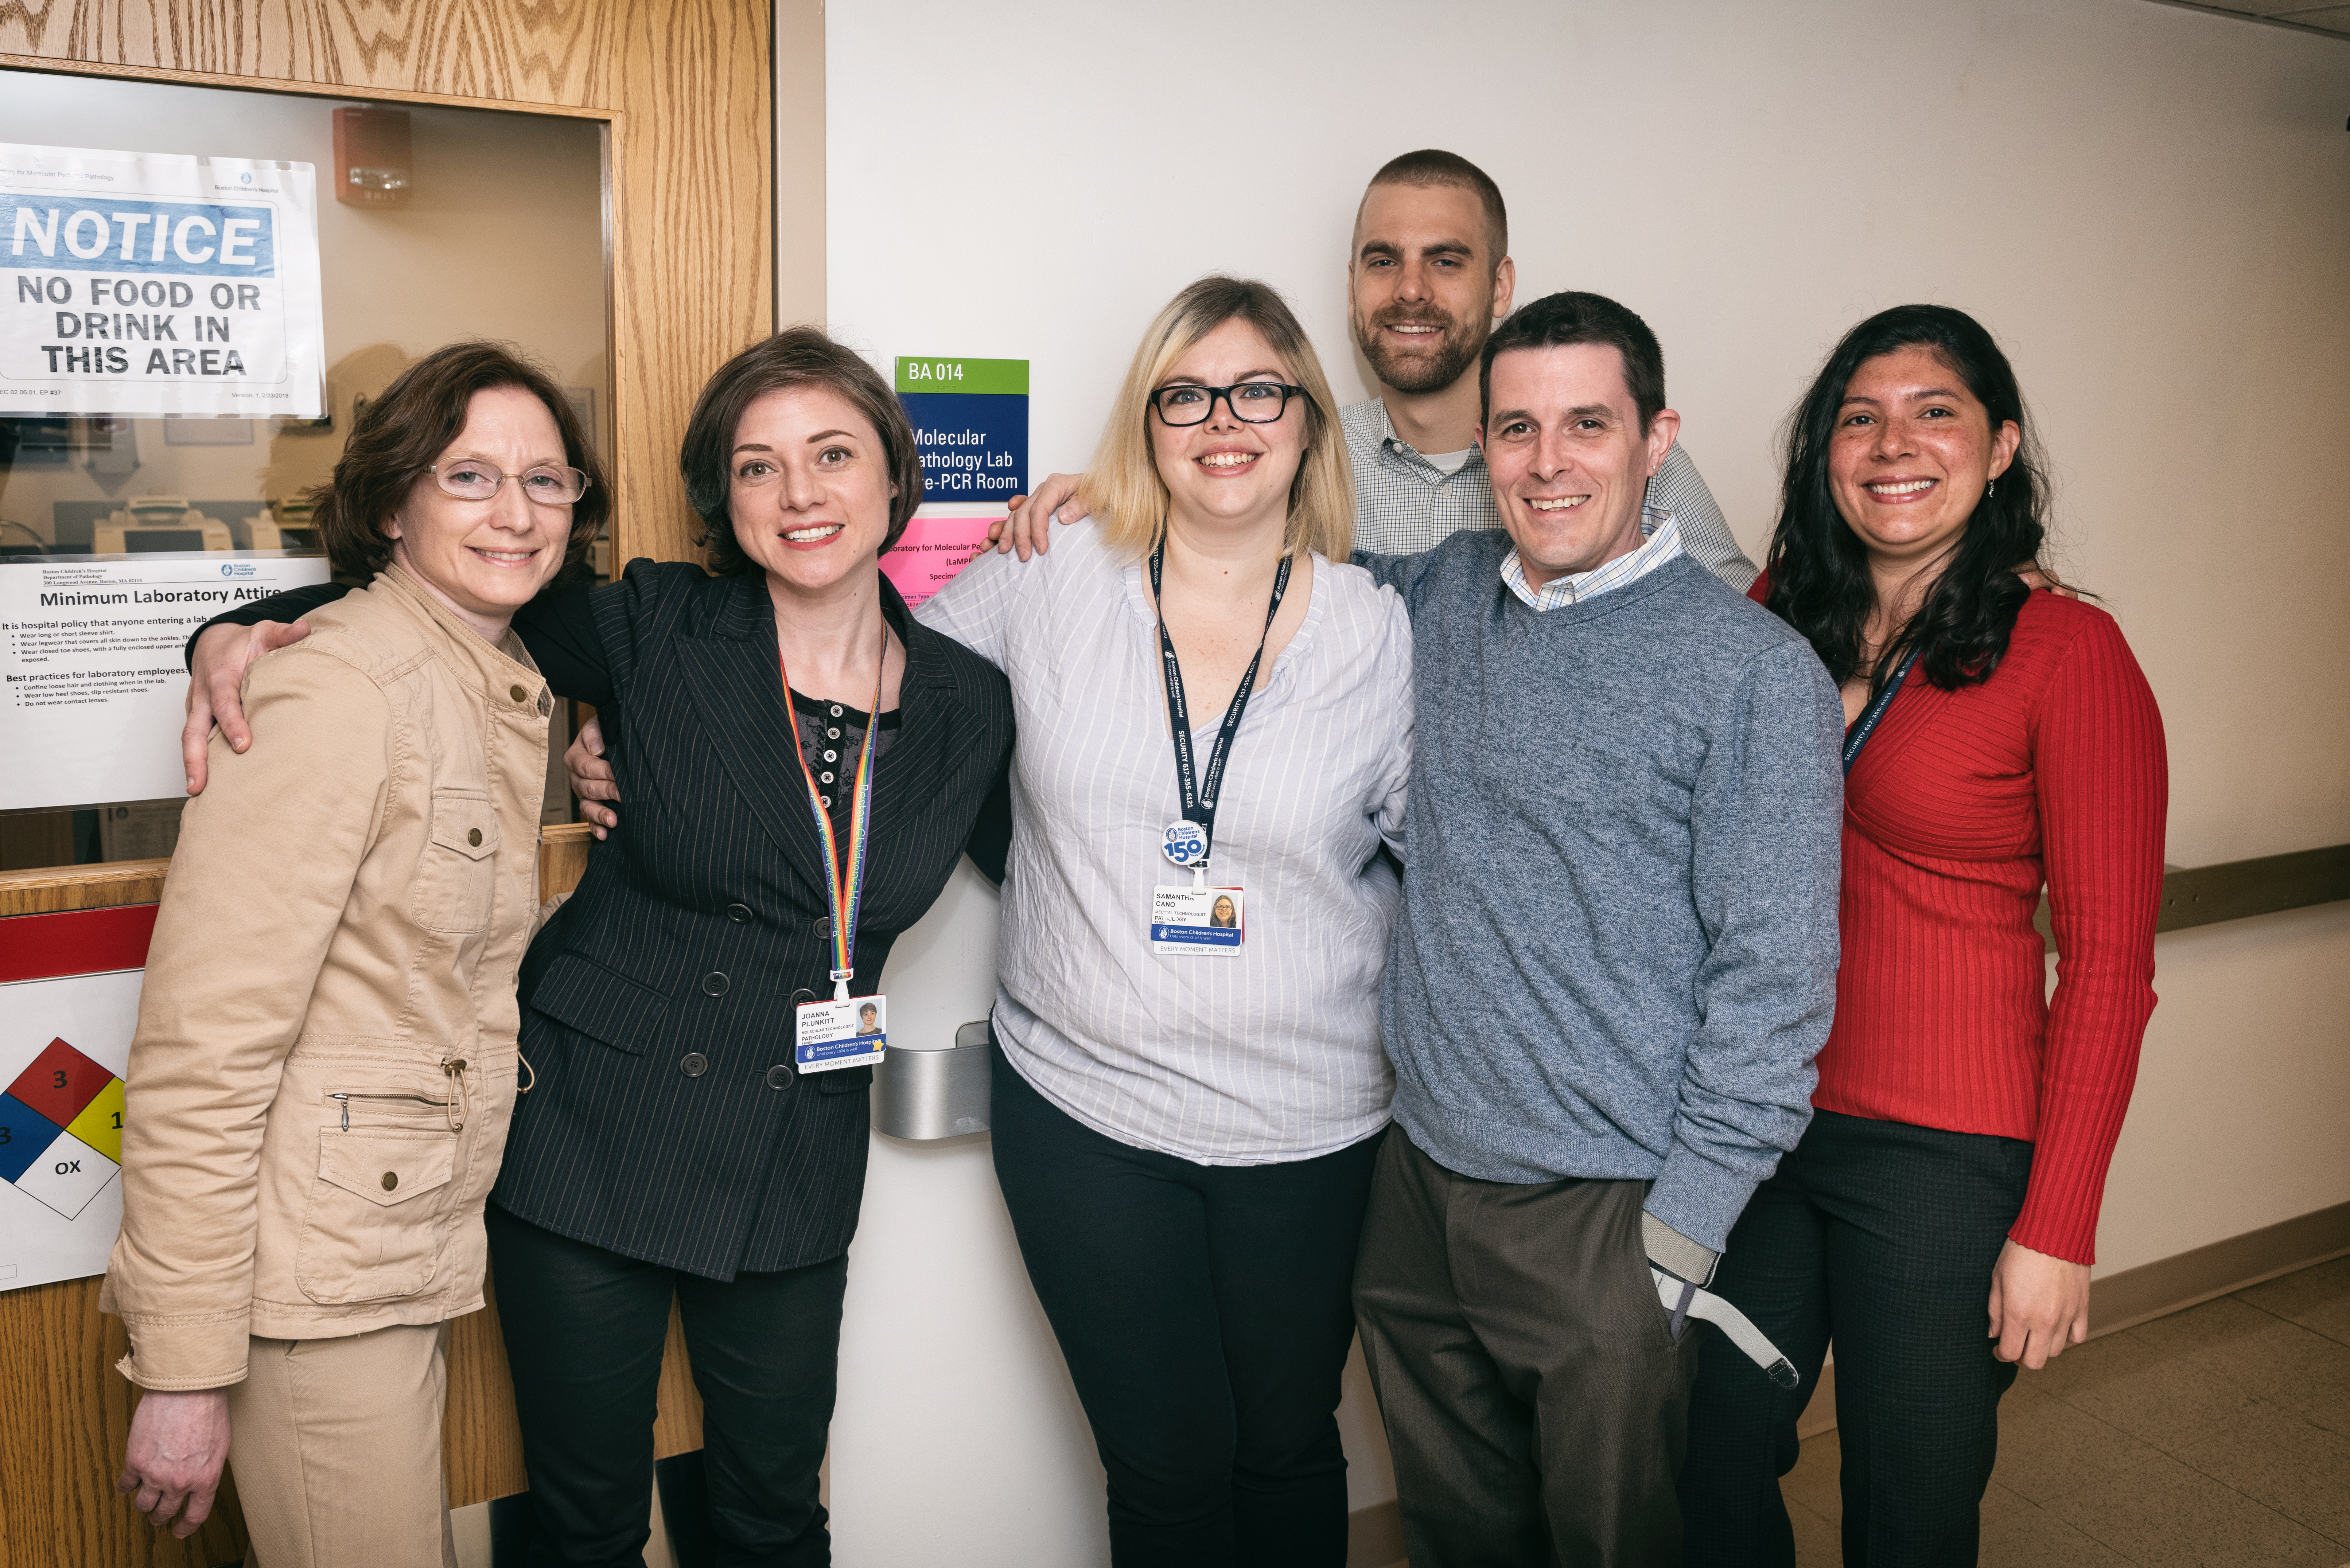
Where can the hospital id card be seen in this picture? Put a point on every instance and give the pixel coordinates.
(1203, 921)
(835, 1035)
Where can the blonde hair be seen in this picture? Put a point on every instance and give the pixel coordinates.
(1123, 488)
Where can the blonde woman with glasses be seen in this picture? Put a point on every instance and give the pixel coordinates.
(1214, 720)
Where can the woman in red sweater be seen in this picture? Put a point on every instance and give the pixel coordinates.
(1939, 1218)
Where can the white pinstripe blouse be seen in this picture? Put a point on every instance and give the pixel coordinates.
(1274, 1055)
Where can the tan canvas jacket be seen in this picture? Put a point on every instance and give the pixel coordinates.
(324, 1072)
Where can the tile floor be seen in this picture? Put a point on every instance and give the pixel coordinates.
(2216, 1437)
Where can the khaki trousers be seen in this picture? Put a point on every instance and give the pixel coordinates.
(336, 1446)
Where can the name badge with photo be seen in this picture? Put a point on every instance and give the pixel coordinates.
(1209, 920)
(835, 1035)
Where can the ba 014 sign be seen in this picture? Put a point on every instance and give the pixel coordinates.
(971, 428)
(158, 284)
(971, 433)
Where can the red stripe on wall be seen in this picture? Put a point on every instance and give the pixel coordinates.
(79, 941)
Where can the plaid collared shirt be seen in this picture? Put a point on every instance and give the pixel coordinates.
(1663, 544)
(1405, 503)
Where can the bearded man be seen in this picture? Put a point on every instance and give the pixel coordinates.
(1426, 277)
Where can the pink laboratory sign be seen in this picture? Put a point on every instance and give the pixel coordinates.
(932, 550)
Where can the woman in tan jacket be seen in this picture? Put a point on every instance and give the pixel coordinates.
(325, 1066)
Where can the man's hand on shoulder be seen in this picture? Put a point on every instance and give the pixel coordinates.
(2036, 576)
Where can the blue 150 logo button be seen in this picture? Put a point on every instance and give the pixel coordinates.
(1186, 843)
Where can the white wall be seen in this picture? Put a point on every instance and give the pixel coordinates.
(2149, 205)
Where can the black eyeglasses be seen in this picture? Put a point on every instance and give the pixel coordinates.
(1252, 402)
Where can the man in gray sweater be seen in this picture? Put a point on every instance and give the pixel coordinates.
(1615, 962)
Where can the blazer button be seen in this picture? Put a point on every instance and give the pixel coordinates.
(713, 985)
(694, 1064)
(822, 926)
(739, 913)
(779, 1077)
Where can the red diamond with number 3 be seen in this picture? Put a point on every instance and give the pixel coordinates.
(61, 1082)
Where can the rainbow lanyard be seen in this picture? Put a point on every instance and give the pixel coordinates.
(844, 886)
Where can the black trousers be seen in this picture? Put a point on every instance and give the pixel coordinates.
(1203, 1314)
(585, 1329)
(1532, 1390)
(1881, 1236)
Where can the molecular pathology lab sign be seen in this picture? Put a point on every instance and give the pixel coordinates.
(149, 283)
(971, 430)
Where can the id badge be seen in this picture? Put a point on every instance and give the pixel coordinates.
(841, 1034)
(1207, 920)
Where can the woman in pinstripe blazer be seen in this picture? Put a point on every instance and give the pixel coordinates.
(667, 1146)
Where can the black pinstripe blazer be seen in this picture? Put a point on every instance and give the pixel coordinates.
(666, 1121)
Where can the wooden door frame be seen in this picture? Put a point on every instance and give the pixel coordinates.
(685, 91)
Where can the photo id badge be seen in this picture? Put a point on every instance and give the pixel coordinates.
(1198, 920)
(841, 1034)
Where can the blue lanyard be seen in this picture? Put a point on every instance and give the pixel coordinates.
(1199, 791)
(1858, 736)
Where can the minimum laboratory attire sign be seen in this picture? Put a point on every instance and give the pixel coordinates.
(152, 283)
(92, 681)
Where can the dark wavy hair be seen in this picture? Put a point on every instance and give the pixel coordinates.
(796, 357)
(1820, 583)
(404, 432)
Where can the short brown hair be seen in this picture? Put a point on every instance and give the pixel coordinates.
(1434, 166)
(1564, 320)
(403, 432)
(796, 357)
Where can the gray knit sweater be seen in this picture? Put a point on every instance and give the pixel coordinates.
(1616, 954)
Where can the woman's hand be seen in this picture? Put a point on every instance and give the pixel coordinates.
(592, 779)
(172, 1465)
(1025, 525)
(2039, 1305)
(216, 686)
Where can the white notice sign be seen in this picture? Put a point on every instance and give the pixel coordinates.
(92, 683)
(154, 283)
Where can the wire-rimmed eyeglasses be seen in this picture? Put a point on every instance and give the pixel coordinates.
(549, 484)
(1252, 402)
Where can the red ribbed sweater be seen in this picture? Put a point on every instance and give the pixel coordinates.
(1958, 809)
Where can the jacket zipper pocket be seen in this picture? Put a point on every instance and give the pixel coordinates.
(346, 1096)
